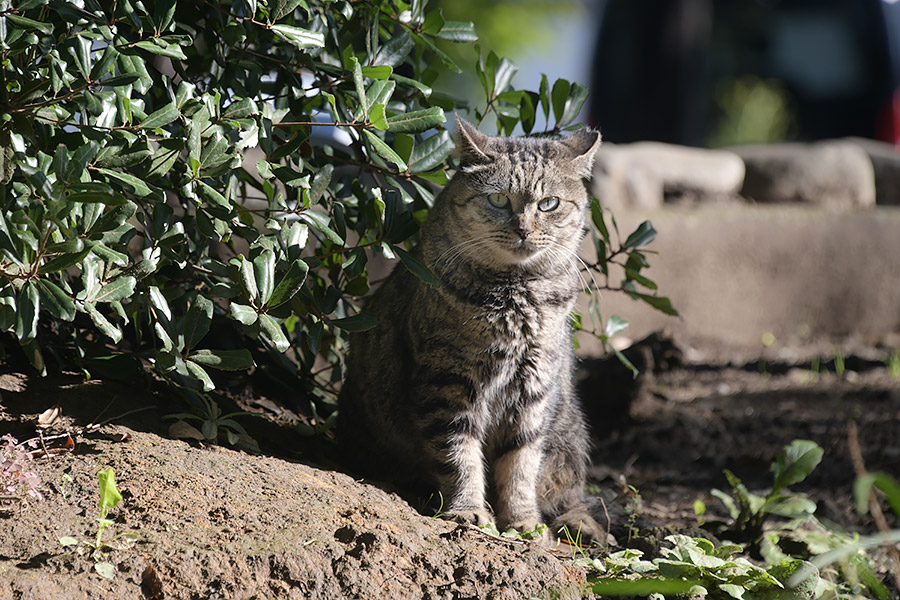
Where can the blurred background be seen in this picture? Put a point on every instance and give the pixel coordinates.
(709, 72)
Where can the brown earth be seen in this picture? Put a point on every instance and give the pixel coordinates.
(211, 522)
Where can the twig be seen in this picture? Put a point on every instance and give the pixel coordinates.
(874, 505)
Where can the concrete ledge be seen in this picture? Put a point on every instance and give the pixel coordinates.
(736, 272)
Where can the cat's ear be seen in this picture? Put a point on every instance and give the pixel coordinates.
(583, 146)
(472, 144)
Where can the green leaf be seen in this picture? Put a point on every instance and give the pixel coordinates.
(377, 72)
(406, 81)
(157, 46)
(384, 150)
(641, 236)
(290, 284)
(199, 373)
(103, 324)
(113, 218)
(559, 96)
(417, 267)
(135, 185)
(577, 95)
(444, 58)
(163, 116)
(360, 87)
(458, 31)
(109, 493)
(660, 303)
(115, 290)
(614, 325)
(243, 314)
(376, 117)
(63, 261)
(57, 302)
(264, 273)
(26, 23)
(197, 321)
(28, 308)
(105, 569)
(94, 191)
(224, 360)
(360, 322)
(431, 153)
(395, 50)
(887, 484)
(299, 37)
(795, 463)
(416, 121)
(272, 331)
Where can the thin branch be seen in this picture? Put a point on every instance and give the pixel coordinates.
(874, 505)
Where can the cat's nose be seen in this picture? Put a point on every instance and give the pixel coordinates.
(524, 231)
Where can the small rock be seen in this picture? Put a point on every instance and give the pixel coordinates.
(886, 164)
(835, 173)
(641, 174)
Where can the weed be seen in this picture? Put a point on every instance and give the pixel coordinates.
(839, 366)
(17, 481)
(213, 425)
(109, 498)
(892, 362)
(530, 534)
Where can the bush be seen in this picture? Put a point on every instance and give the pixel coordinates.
(166, 166)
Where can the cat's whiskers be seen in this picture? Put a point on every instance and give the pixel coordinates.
(567, 262)
(574, 257)
(464, 249)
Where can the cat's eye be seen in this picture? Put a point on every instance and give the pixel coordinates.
(549, 203)
(498, 200)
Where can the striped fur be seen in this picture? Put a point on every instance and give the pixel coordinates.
(467, 388)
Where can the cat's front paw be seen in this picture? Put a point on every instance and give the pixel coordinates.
(474, 516)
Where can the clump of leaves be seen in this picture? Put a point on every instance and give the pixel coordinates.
(17, 480)
(514, 534)
(694, 566)
(109, 498)
(749, 511)
(214, 425)
(134, 225)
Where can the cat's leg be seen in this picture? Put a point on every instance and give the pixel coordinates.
(563, 476)
(450, 433)
(517, 467)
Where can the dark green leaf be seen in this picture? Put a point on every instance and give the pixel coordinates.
(26, 23)
(416, 121)
(28, 308)
(360, 322)
(117, 289)
(264, 274)
(458, 31)
(273, 332)
(290, 284)
(431, 153)
(417, 267)
(163, 116)
(384, 150)
(360, 87)
(301, 38)
(157, 46)
(224, 360)
(395, 50)
(660, 303)
(103, 324)
(57, 302)
(94, 191)
(243, 314)
(641, 236)
(577, 95)
(560, 95)
(380, 72)
(197, 321)
(795, 463)
(199, 373)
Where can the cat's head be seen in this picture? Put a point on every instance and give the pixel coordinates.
(515, 201)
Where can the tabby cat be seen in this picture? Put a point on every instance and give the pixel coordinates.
(467, 387)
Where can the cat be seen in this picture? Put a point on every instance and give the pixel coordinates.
(467, 387)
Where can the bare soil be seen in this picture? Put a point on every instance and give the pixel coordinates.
(212, 522)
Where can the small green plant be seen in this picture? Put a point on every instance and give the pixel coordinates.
(749, 510)
(109, 498)
(892, 362)
(530, 534)
(213, 426)
(694, 566)
(839, 366)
